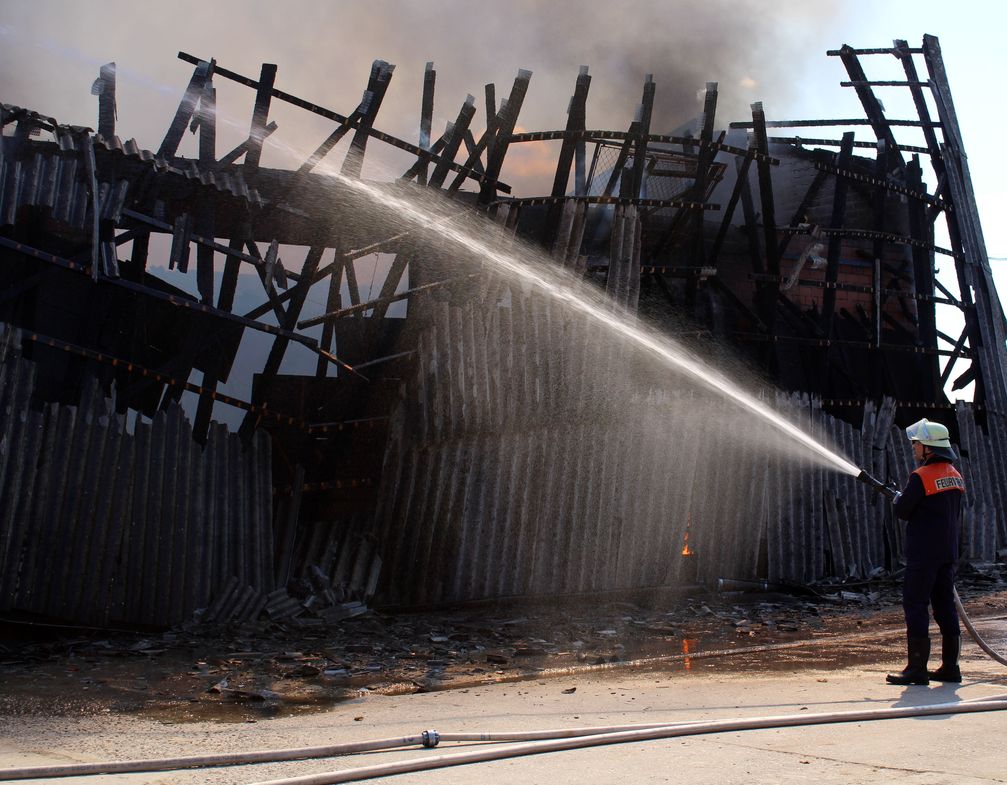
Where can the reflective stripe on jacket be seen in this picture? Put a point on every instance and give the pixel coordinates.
(940, 477)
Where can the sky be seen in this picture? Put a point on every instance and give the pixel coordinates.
(51, 50)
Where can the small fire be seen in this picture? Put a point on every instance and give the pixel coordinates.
(688, 646)
(685, 549)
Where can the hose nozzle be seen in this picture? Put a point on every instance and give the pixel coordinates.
(885, 489)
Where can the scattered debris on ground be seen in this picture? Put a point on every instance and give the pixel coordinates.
(274, 666)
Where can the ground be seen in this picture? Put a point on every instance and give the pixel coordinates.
(684, 657)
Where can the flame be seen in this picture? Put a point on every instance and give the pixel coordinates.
(685, 549)
(687, 649)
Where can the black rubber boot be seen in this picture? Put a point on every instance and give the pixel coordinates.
(951, 646)
(916, 671)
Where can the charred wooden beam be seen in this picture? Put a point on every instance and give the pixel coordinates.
(242, 148)
(633, 136)
(800, 141)
(455, 136)
(260, 112)
(740, 183)
(421, 163)
(800, 216)
(253, 154)
(767, 202)
(656, 203)
(841, 342)
(160, 377)
(882, 183)
(878, 245)
(870, 234)
(104, 88)
(706, 156)
(751, 222)
(509, 114)
(377, 86)
(643, 127)
(473, 150)
(179, 302)
(234, 253)
(89, 167)
(957, 352)
(836, 122)
(391, 283)
(426, 116)
(835, 239)
(204, 224)
(886, 291)
(875, 51)
(576, 119)
(884, 83)
(333, 302)
(872, 107)
(342, 119)
(186, 107)
(618, 168)
(360, 308)
(923, 269)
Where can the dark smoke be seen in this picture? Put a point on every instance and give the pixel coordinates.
(52, 49)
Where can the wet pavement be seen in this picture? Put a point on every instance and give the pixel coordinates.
(254, 673)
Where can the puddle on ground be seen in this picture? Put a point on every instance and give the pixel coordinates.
(173, 686)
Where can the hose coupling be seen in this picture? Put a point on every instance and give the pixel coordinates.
(431, 738)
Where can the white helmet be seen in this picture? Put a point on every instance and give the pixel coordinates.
(933, 435)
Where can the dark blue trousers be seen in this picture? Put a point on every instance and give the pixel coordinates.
(930, 586)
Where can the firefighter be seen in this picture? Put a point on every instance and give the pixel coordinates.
(931, 506)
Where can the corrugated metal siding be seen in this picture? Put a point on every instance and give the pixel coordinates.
(103, 526)
(514, 469)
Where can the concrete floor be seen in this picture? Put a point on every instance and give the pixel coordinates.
(957, 749)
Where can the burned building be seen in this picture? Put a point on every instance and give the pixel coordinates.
(480, 447)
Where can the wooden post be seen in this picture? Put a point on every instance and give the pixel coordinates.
(186, 108)
(455, 136)
(643, 128)
(104, 88)
(205, 212)
(381, 74)
(426, 116)
(740, 185)
(257, 132)
(576, 119)
(770, 292)
(923, 278)
(333, 302)
(836, 240)
(509, 115)
(706, 156)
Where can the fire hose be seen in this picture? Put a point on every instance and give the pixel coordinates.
(532, 743)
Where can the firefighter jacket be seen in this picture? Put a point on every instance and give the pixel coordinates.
(931, 506)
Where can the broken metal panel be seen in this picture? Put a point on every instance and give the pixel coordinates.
(470, 501)
(101, 525)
